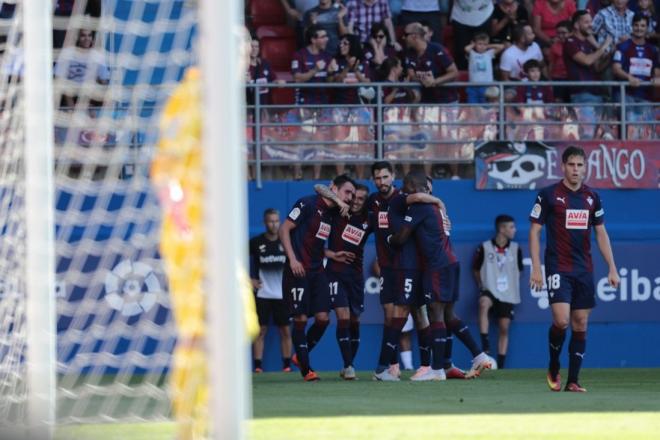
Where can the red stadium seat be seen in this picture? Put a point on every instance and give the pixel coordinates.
(276, 31)
(278, 52)
(282, 96)
(266, 12)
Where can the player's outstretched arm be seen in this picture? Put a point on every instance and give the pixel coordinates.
(603, 240)
(536, 278)
(285, 238)
(327, 193)
(425, 198)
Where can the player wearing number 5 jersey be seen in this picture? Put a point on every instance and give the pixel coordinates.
(304, 283)
(569, 210)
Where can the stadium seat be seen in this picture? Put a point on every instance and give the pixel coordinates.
(448, 39)
(266, 12)
(275, 31)
(282, 96)
(278, 51)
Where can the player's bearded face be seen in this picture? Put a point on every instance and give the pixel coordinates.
(383, 180)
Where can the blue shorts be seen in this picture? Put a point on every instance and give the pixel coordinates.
(442, 285)
(347, 290)
(578, 290)
(307, 295)
(387, 295)
(408, 288)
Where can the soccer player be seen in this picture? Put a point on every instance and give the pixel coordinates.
(305, 285)
(267, 261)
(440, 278)
(344, 270)
(378, 203)
(570, 210)
(496, 268)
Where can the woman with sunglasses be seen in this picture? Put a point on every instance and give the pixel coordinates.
(378, 48)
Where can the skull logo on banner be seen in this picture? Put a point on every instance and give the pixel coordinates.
(510, 165)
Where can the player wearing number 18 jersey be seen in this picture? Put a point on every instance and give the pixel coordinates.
(569, 210)
(304, 282)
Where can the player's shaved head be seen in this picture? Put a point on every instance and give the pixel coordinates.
(415, 181)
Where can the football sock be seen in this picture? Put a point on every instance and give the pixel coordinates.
(576, 348)
(315, 333)
(424, 339)
(438, 341)
(257, 363)
(300, 345)
(449, 345)
(406, 360)
(462, 332)
(286, 362)
(500, 360)
(556, 337)
(355, 339)
(391, 337)
(485, 343)
(344, 340)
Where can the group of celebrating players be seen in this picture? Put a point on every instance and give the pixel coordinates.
(419, 272)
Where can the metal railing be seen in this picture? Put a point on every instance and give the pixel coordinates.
(278, 134)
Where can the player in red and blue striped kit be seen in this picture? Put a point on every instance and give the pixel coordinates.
(569, 210)
(440, 285)
(304, 283)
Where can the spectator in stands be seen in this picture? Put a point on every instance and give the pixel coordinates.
(524, 48)
(557, 67)
(331, 17)
(430, 64)
(259, 72)
(391, 71)
(81, 64)
(614, 21)
(593, 6)
(506, 16)
(295, 10)
(647, 9)
(530, 92)
(546, 15)
(348, 67)
(426, 12)
(480, 61)
(362, 14)
(584, 62)
(378, 48)
(469, 17)
(636, 61)
(310, 64)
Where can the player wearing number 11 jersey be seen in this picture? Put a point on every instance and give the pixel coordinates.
(569, 210)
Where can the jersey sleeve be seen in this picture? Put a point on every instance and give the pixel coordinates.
(540, 209)
(599, 212)
(299, 212)
(444, 58)
(254, 259)
(521, 266)
(415, 214)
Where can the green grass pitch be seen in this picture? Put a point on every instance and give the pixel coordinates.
(506, 404)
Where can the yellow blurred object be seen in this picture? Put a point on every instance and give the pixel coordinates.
(177, 175)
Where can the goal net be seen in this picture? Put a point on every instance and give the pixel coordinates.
(116, 64)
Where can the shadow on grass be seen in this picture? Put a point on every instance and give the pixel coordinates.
(496, 392)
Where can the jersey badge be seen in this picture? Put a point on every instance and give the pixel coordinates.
(295, 213)
(590, 201)
(324, 231)
(536, 211)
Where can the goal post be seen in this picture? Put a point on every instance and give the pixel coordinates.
(39, 217)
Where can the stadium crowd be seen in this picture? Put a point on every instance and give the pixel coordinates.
(429, 43)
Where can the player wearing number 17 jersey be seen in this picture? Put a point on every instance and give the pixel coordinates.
(569, 210)
(304, 283)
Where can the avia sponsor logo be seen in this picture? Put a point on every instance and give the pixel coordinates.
(635, 288)
(577, 219)
(383, 221)
(352, 235)
(324, 231)
(272, 259)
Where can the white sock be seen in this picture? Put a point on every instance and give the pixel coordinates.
(406, 360)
